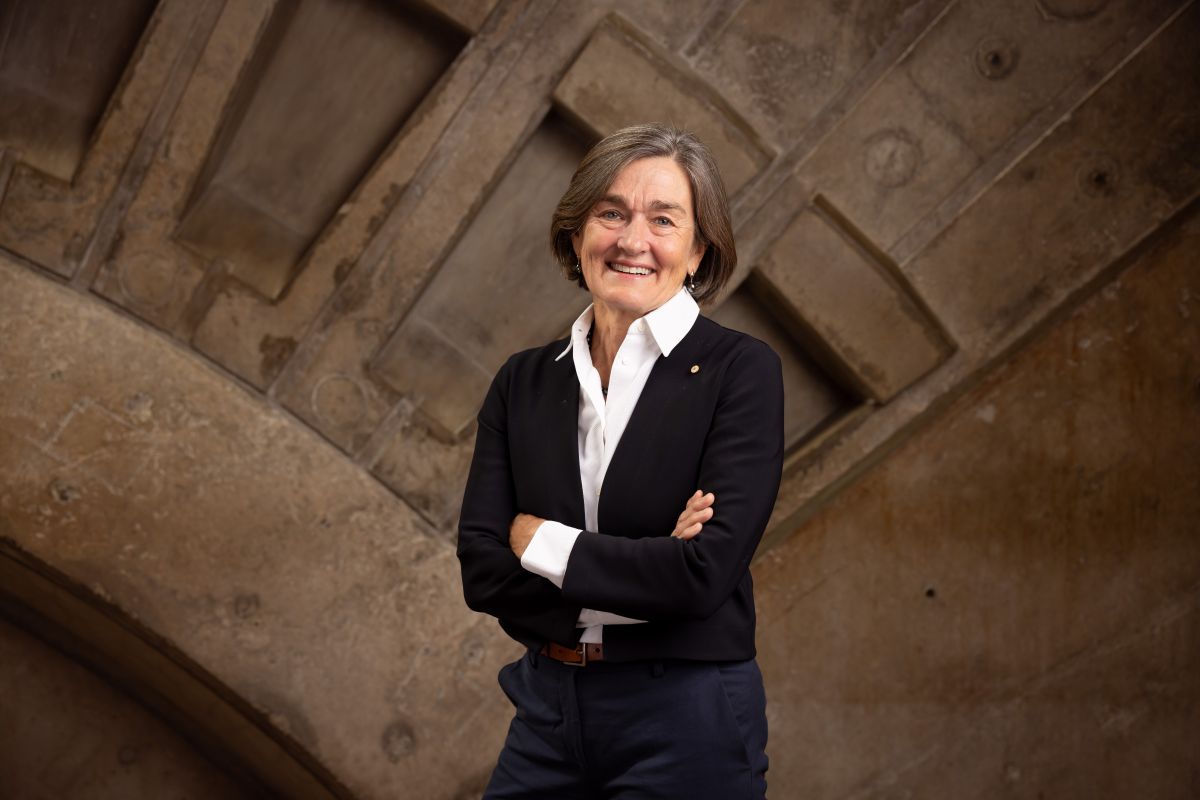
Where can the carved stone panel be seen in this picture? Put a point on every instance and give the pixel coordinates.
(330, 85)
(621, 79)
(498, 292)
(59, 63)
(856, 304)
(147, 272)
(60, 225)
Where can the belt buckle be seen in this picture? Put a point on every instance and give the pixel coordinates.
(581, 649)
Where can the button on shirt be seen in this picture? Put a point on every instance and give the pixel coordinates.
(601, 423)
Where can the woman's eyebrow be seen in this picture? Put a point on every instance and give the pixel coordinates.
(663, 205)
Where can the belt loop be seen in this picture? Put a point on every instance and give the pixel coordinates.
(657, 668)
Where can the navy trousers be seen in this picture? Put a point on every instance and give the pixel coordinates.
(661, 730)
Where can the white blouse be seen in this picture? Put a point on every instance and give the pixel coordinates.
(601, 422)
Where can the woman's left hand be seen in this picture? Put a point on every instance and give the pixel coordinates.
(521, 531)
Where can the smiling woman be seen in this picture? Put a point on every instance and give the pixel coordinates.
(571, 532)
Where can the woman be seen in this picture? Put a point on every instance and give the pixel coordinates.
(640, 679)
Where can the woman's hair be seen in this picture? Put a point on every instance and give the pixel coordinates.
(613, 153)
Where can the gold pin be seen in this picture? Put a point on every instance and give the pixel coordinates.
(695, 368)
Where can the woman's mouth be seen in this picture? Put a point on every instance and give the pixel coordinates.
(627, 269)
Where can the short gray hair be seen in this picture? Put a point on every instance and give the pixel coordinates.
(616, 151)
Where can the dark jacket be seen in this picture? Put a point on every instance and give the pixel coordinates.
(718, 428)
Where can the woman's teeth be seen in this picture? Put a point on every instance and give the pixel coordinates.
(629, 270)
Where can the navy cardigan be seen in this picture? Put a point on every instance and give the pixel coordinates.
(718, 428)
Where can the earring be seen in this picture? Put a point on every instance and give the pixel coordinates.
(577, 270)
(691, 284)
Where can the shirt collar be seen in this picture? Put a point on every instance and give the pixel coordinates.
(667, 324)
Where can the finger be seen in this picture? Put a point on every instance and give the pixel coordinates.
(691, 531)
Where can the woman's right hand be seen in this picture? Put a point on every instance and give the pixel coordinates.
(697, 511)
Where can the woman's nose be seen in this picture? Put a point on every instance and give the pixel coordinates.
(633, 237)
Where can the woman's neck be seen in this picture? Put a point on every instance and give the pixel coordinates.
(609, 327)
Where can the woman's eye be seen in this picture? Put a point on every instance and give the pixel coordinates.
(609, 214)
(662, 221)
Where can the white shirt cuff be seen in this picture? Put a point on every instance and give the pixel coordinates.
(549, 550)
(589, 617)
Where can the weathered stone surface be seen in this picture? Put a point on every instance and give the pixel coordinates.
(352, 330)
(476, 311)
(71, 736)
(325, 607)
(621, 79)
(1008, 604)
(780, 67)
(1125, 160)
(286, 160)
(856, 304)
(147, 272)
(254, 338)
(1003, 280)
(54, 96)
(812, 400)
(973, 80)
(52, 223)
(256, 550)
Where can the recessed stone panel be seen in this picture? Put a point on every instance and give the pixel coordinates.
(146, 271)
(253, 336)
(54, 223)
(331, 83)
(812, 399)
(982, 72)
(622, 79)
(855, 304)
(59, 63)
(499, 291)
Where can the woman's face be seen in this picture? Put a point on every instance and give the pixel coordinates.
(639, 242)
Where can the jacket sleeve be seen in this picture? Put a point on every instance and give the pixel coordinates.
(662, 577)
(493, 580)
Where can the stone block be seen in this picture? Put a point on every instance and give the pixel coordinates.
(855, 305)
(621, 78)
(420, 465)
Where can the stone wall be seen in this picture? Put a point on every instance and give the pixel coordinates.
(259, 259)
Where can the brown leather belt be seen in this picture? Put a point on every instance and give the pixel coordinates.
(580, 655)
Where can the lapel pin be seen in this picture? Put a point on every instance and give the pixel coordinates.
(695, 368)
